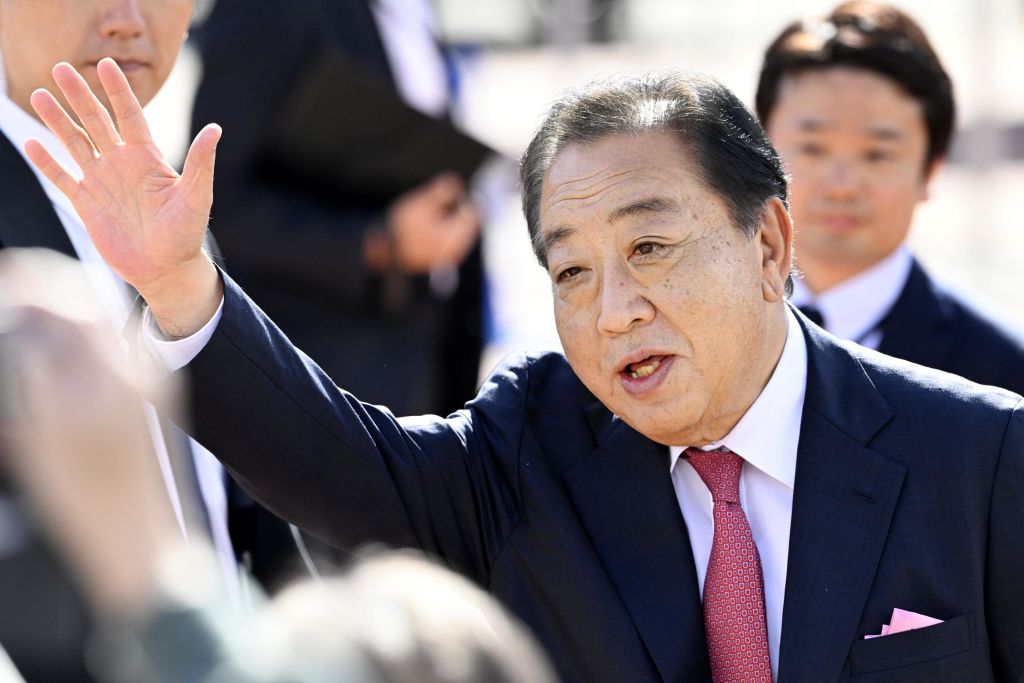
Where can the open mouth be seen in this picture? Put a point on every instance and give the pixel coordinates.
(645, 367)
(645, 375)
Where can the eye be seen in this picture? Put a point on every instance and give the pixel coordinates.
(876, 155)
(647, 248)
(569, 274)
(812, 149)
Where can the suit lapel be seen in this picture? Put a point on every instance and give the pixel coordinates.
(625, 498)
(27, 216)
(843, 502)
(917, 314)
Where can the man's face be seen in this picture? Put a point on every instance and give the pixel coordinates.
(854, 144)
(661, 303)
(143, 36)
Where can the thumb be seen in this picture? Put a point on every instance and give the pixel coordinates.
(197, 174)
(446, 187)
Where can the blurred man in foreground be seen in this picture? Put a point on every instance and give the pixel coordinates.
(862, 113)
(704, 487)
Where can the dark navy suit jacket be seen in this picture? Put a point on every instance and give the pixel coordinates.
(909, 493)
(932, 326)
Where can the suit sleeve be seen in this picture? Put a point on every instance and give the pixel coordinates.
(352, 473)
(1005, 581)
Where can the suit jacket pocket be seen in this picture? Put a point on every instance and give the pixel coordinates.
(913, 647)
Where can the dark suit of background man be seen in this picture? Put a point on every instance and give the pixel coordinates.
(309, 253)
(862, 112)
(697, 436)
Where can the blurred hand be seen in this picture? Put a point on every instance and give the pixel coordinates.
(432, 226)
(82, 453)
(147, 221)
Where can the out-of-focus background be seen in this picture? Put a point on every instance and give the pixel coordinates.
(513, 57)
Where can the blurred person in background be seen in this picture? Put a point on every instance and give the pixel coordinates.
(42, 622)
(385, 292)
(392, 618)
(862, 112)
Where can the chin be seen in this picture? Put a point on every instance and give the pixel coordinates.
(659, 424)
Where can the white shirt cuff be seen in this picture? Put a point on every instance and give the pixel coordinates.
(176, 354)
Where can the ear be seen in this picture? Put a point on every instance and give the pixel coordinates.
(775, 239)
(929, 174)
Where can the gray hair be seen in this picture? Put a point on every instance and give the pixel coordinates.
(731, 152)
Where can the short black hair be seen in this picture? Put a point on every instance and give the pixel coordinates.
(868, 35)
(732, 154)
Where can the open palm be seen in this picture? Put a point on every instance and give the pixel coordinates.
(147, 221)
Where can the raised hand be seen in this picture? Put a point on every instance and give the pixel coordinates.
(147, 221)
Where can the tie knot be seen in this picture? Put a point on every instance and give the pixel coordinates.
(720, 470)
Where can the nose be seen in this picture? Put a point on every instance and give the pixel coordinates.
(622, 303)
(843, 179)
(123, 19)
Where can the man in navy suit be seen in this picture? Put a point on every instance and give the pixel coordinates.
(704, 487)
(862, 113)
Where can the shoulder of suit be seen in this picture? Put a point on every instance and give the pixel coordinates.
(535, 376)
(921, 388)
(977, 321)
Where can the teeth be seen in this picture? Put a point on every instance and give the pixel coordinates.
(645, 370)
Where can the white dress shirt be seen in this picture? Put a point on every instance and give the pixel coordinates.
(854, 308)
(116, 298)
(409, 35)
(766, 437)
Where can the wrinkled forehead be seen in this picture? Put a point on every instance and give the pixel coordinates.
(600, 175)
(590, 169)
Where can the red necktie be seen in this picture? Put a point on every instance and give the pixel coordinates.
(734, 613)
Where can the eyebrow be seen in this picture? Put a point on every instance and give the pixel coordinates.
(544, 242)
(647, 205)
(885, 133)
(643, 206)
(880, 132)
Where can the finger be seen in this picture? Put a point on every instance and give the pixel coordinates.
(127, 110)
(54, 171)
(461, 234)
(67, 131)
(91, 112)
(197, 173)
(447, 188)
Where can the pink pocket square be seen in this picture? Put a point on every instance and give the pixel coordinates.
(902, 620)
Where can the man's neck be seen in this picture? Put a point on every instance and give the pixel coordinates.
(821, 276)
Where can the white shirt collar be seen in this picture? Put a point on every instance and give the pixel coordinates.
(768, 433)
(19, 126)
(854, 308)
